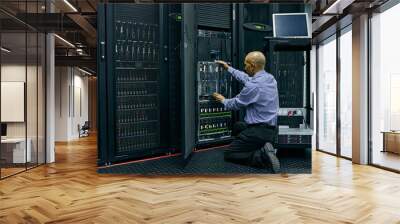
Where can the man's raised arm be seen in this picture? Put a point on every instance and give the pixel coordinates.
(239, 75)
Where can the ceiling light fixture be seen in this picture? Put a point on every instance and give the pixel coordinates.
(337, 7)
(65, 41)
(70, 5)
(331, 7)
(84, 71)
(5, 50)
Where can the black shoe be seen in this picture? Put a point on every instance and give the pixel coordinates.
(269, 156)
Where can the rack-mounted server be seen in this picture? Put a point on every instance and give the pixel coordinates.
(214, 123)
(129, 81)
(137, 85)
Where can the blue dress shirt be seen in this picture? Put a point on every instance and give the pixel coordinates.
(259, 96)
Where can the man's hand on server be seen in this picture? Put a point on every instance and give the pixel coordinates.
(223, 63)
(218, 97)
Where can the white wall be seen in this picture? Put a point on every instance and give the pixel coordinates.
(71, 94)
(13, 72)
(62, 82)
(79, 103)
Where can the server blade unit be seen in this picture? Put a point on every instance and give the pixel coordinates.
(214, 122)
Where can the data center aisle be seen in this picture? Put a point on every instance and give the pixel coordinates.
(211, 162)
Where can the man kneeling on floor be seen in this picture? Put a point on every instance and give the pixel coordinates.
(254, 138)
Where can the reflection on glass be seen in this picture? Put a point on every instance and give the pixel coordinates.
(346, 94)
(385, 84)
(31, 101)
(23, 84)
(327, 96)
(14, 146)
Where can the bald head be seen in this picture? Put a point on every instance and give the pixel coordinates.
(254, 62)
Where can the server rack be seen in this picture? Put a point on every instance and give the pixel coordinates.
(209, 33)
(216, 40)
(134, 82)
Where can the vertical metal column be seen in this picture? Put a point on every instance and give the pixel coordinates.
(360, 90)
(50, 92)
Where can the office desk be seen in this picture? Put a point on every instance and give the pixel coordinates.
(391, 141)
(13, 150)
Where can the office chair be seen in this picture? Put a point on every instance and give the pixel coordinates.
(84, 130)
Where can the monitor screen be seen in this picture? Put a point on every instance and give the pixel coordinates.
(291, 25)
(3, 129)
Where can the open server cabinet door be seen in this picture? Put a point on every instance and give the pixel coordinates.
(129, 82)
(188, 81)
(102, 152)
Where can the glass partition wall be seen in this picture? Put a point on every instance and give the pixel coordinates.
(13, 109)
(385, 90)
(345, 61)
(326, 140)
(22, 76)
(334, 94)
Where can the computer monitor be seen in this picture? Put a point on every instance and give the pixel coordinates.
(291, 25)
(3, 130)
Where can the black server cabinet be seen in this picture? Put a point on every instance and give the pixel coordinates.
(134, 82)
(157, 74)
(213, 29)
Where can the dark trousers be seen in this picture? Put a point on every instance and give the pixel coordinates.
(248, 140)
